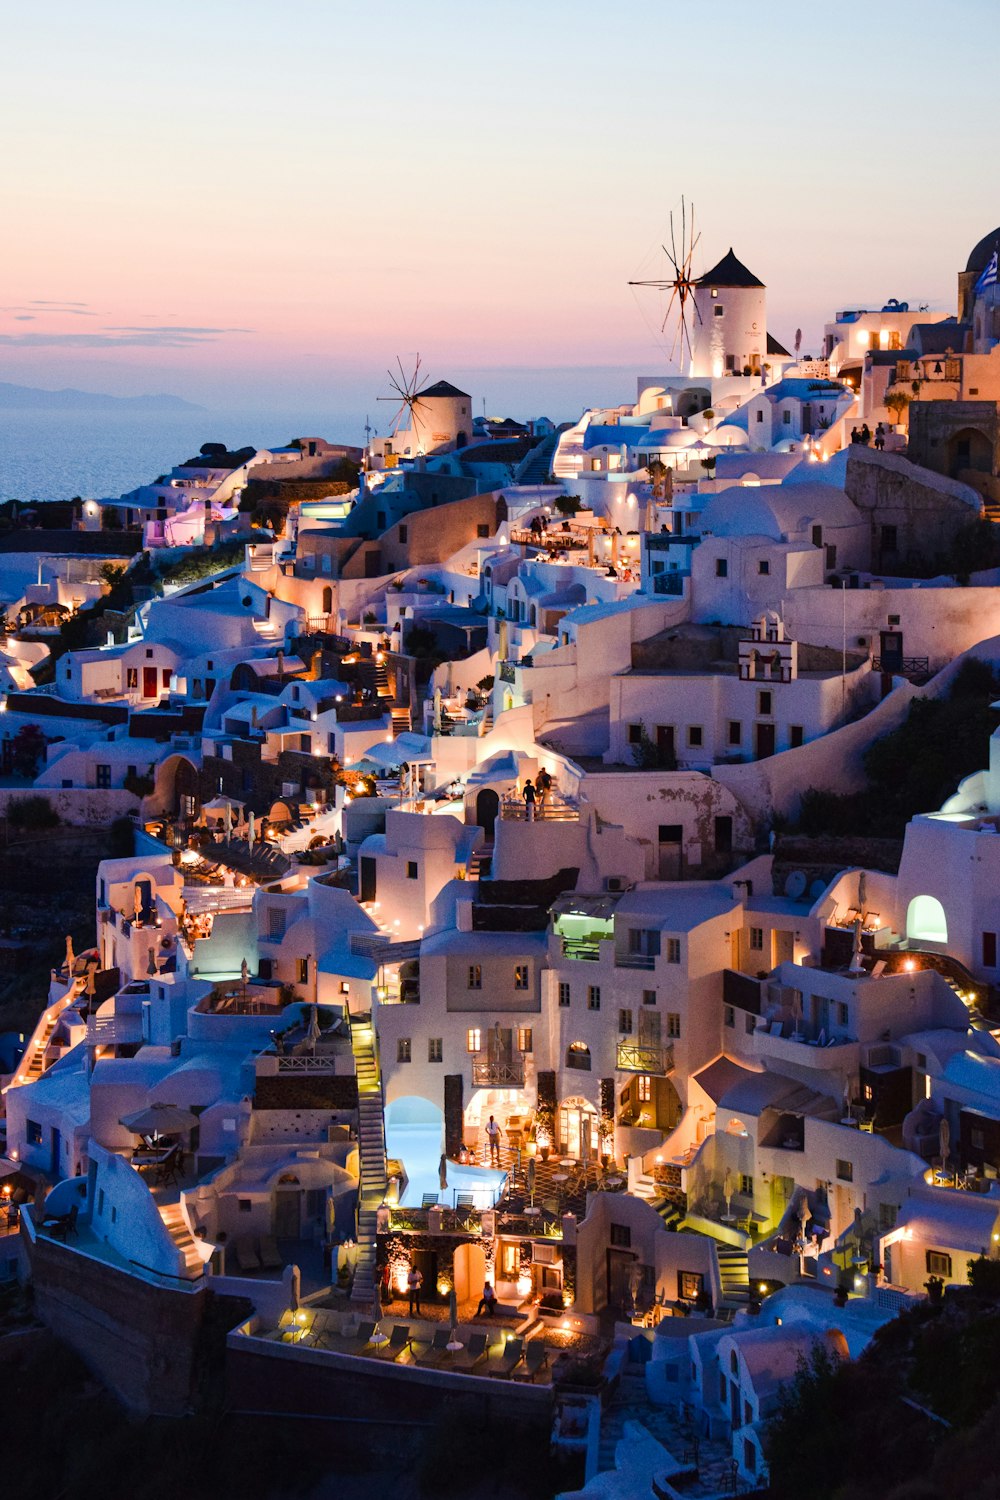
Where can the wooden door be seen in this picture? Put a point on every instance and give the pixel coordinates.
(763, 740)
(149, 682)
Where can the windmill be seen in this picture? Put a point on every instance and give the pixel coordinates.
(406, 396)
(681, 284)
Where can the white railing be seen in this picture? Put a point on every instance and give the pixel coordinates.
(307, 1064)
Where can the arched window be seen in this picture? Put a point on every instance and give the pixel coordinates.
(327, 600)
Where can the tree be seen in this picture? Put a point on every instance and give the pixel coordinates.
(110, 519)
(28, 750)
(897, 400)
(567, 505)
(32, 813)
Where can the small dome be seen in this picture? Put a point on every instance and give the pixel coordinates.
(980, 257)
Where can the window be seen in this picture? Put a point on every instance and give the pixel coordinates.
(817, 536)
(474, 1039)
(831, 556)
(644, 1088)
(764, 704)
(103, 775)
(694, 736)
(33, 1131)
(621, 1236)
(786, 418)
(302, 970)
(751, 1024)
(757, 939)
(475, 977)
(649, 997)
(149, 652)
(763, 566)
(345, 988)
(167, 674)
(938, 1264)
(729, 1015)
(735, 732)
(403, 1049)
(435, 1049)
(887, 1214)
(723, 1388)
(845, 1170)
(595, 464)
(412, 869)
(593, 997)
(841, 1013)
(749, 1451)
(721, 567)
(131, 677)
(893, 619)
(265, 968)
(525, 1041)
(673, 1024)
(796, 736)
(625, 1022)
(989, 950)
(719, 310)
(673, 950)
(635, 734)
(403, 534)
(245, 1205)
(482, 529)
(521, 976)
(578, 1056)
(275, 924)
(724, 834)
(746, 1185)
(563, 994)
(760, 415)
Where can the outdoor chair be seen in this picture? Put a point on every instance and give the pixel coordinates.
(429, 1200)
(509, 1360)
(437, 1351)
(465, 1200)
(473, 1354)
(399, 1342)
(270, 1256)
(246, 1256)
(167, 1171)
(536, 1357)
(61, 1226)
(363, 1337)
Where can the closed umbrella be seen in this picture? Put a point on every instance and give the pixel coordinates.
(531, 1179)
(159, 1119)
(443, 1172)
(454, 1342)
(378, 1337)
(228, 820)
(251, 830)
(727, 1190)
(944, 1140)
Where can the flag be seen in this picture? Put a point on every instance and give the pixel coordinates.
(989, 276)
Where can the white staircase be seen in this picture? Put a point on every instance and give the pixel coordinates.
(173, 1217)
(371, 1147)
(734, 1274)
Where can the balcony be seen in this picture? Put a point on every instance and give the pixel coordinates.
(498, 1073)
(635, 960)
(640, 1057)
(903, 666)
(588, 949)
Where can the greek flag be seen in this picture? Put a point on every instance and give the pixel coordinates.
(989, 276)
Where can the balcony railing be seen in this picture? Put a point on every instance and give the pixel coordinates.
(635, 960)
(499, 1073)
(906, 666)
(588, 949)
(638, 1057)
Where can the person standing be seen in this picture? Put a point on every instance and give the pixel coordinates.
(543, 785)
(879, 438)
(493, 1134)
(529, 800)
(414, 1282)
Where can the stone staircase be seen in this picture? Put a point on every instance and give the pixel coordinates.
(371, 1146)
(400, 720)
(36, 1062)
(734, 1274)
(481, 862)
(176, 1225)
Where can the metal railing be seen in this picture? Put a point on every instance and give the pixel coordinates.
(639, 1057)
(636, 960)
(504, 1072)
(906, 666)
(582, 948)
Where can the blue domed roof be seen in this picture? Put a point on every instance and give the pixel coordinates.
(980, 257)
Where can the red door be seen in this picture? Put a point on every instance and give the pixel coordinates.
(149, 683)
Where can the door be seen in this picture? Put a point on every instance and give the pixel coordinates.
(368, 878)
(286, 1214)
(670, 841)
(763, 740)
(665, 742)
(649, 1028)
(891, 650)
(55, 1169)
(487, 807)
(783, 948)
(149, 682)
(619, 1279)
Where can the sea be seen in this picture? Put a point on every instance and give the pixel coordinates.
(99, 455)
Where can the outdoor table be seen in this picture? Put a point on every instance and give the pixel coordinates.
(531, 1213)
(568, 1161)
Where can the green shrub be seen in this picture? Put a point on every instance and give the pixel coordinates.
(32, 813)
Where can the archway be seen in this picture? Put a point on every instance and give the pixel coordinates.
(926, 921)
(487, 808)
(176, 789)
(969, 449)
(469, 1272)
(327, 600)
(577, 1123)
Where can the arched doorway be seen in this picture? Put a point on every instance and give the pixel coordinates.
(487, 808)
(327, 600)
(177, 789)
(926, 921)
(969, 449)
(576, 1128)
(469, 1272)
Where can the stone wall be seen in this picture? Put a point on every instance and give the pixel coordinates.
(925, 509)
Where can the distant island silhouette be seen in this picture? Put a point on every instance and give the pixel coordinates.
(34, 398)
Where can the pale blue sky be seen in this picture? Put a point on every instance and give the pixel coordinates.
(254, 202)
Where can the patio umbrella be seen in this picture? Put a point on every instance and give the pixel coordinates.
(944, 1140)
(313, 1034)
(531, 1179)
(443, 1172)
(454, 1343)
(251, 830)
(228, 821)
(378, 1337)
(159, 1119)
(727, 1188)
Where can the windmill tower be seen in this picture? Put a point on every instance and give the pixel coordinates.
(730, 330)
(428, 418)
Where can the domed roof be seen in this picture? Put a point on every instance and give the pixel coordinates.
(980, 257)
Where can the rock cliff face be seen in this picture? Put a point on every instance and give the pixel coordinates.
(914, 513)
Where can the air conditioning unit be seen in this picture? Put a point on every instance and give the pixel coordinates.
(546, 1255)
(616, 883)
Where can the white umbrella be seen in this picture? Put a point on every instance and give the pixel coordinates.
(531, 1179)
(944, 1139)
(228, 821)
(378, 1337)
(70, 955)
(437, 710)
(251, 830)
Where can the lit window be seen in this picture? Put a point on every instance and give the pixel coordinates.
(644, 1088)
(474, 1039)
(403, 1049)
(524, 1039)
(938, 1264)
(475, 977)
(521, 977)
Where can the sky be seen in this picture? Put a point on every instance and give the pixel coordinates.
(254, 204)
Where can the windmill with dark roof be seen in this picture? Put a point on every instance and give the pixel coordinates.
(428, 418)
(680, 285)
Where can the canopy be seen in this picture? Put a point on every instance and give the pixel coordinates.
(220, 802)
(159, 1119)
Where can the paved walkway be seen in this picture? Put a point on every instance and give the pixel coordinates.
(631, 1404)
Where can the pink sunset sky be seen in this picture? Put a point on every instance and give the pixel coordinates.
(252, 202)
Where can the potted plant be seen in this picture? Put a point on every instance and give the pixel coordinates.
(935, 1290)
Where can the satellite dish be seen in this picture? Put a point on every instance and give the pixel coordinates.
(795, 885)
(817, 889)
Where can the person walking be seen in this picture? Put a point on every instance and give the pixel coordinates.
(487, 1302)
(529, 800)
(493, 1134)
(414, 1282)
(543, 785)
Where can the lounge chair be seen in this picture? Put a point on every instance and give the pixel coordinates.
(510, 1359)
(473, 1354)
(429, 1200)
(465, 1200)
(399, 1342)
(437, 1350)
(270, 1256)
(535, 1358)
(363, 1337)
(246, 1256)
